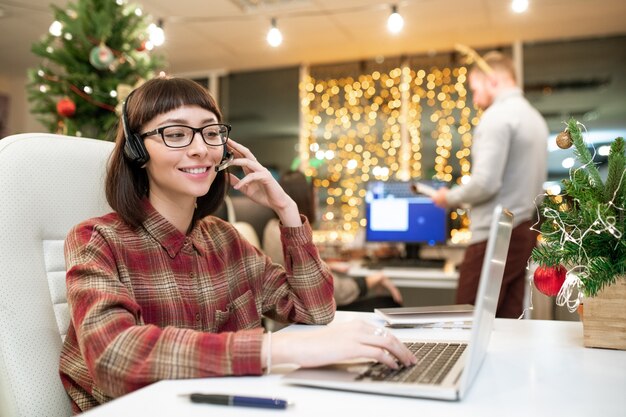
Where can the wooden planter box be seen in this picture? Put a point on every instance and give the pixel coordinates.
(604, 317)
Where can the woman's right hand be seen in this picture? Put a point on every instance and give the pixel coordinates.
(340, 342)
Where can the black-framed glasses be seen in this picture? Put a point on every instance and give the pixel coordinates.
(179, 136)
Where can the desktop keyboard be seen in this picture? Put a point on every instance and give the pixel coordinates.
(434, 361)
(399, 189)
(404, 263)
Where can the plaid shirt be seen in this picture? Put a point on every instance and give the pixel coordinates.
(152, 303)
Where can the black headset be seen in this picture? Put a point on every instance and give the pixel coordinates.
(135, 150)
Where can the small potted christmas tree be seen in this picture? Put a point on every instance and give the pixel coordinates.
(583, 254)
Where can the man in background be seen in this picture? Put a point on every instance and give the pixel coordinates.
(509, 156)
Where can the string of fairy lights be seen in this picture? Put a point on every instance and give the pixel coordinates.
(352, 133)
(378, 125)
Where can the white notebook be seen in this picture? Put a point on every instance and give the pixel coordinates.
(406, 316)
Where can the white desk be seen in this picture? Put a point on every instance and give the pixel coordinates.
(533, 368)
(444, 278)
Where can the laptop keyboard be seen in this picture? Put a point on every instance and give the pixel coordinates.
(434, 361)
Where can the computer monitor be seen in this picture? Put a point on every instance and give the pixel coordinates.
(395, 213)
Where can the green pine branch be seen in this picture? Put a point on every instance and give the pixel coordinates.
(616, 178)
(592, 175)
(601, 273)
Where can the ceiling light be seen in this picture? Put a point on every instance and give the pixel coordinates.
(604, 150)
(568, 163)
(519, 6)
(156, 34)
(274, 37)
(395, 22)
(554, 189)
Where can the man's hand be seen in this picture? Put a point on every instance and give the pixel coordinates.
(439, 198)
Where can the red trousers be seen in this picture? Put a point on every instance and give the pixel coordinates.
(511, 301)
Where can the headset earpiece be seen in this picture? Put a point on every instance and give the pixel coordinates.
(134, 148)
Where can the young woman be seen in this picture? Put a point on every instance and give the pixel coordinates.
(158, 289)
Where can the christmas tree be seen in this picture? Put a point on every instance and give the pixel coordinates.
(95, 53)
(584, 225)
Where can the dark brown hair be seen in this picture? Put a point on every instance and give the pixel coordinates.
(127, 182)
(298, 188)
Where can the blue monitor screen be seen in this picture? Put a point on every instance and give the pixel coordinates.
(395, 213)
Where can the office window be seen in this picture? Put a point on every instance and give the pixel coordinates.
(584, 79)
(263, 109)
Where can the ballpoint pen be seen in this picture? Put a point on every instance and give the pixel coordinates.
(238, 400)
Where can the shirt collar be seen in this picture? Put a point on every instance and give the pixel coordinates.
(168, 236)
(509, 92)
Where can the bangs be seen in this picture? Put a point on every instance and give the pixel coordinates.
(161, 95)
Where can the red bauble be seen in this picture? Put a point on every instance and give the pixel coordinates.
(66, 107)
(549, 279)
(141, 47)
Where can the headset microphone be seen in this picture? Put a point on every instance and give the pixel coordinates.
(225, 162)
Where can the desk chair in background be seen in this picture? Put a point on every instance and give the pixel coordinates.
(248, 217)
(48, 183)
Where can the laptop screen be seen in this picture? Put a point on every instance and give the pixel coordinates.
(488, 292)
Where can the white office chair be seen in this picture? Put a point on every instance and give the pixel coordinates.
(48, 183)
(245, 229)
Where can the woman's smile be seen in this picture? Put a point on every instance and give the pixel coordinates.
(195, 171)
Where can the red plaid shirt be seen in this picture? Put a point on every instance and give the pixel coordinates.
(152, 303)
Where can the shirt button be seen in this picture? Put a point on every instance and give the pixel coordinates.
(197, 316)
(191, 275)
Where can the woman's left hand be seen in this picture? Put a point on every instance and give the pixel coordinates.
(260, 186)
(380, 281)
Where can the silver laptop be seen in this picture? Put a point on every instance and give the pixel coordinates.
(445, 369)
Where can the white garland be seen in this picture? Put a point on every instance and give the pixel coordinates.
(566, 295)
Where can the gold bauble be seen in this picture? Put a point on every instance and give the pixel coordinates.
(564, 140)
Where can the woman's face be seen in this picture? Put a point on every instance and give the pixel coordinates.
(178, 174)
